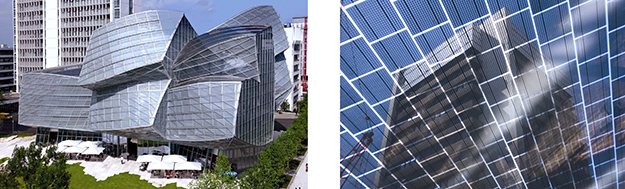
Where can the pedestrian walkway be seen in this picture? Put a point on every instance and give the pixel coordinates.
(9, 143)
(301, 178)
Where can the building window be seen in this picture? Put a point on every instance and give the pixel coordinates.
(296, 57)
(296, 46)
(116, 13)
(130, 6)
(116, 3)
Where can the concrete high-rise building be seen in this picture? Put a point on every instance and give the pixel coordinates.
(297, 32)
(482, 94)
(51, 33)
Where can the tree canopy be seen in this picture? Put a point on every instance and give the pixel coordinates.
(274, 160)
(37, 169)
(219, 177)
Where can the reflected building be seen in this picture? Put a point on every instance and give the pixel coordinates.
(151, 84)
(479, 97)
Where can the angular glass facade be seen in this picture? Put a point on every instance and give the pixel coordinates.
(482, 94)
(149, 76)
(268, 16)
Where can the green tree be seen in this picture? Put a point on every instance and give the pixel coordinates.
(274, 159)
(7, 181)
(217, 177)
(39, 170)
(302, 105)
(285, 105)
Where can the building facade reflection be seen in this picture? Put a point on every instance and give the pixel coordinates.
(484, 98)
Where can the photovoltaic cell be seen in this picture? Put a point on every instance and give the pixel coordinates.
(496, 94)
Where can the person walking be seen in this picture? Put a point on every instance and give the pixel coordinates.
(306, 167)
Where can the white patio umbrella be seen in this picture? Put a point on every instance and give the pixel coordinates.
(61, 148)
(74, 149)
(174, 158)
(69, 143)
(93, 151)
(160, 166)
(88, 144)
(188, 166)
(149, 158)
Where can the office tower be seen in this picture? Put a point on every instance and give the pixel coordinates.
(6, 69)
(482, 94)
(50, 33)
(297, 32)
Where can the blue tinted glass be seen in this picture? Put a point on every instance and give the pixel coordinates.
(593, 70)
(512, 5)
(617, 42)
(348, 94)
(375, 18)
(379, 177)
(576, 2)
(357, 59)
(618, 88)
(348, 30)
(559, 95)
(616, 13)
(588, 17)
(375, 87)
(618, 66)
(521, 33)
(560, 50)
(539, 5)
(397, 51)
(347, 2)
(366, 163)
(420, 15)
(463, 11)
(347, 144)
(489, 65)
(355, 118)
(565, 75)
(598, 110)
(591, 45)
(381, 135)
(552, 23)
(433, 38)
(597, 91)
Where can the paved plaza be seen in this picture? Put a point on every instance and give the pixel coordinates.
(8, 144)
(100, 170)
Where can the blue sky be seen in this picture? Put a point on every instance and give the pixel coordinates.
(203, 14)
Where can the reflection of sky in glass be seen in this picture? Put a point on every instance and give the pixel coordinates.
(484, 93)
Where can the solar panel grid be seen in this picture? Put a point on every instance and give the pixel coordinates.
(547, 94)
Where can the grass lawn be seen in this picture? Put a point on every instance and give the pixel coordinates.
(123, 180)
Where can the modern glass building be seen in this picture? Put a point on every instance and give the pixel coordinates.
(51, 33)
(150, 83)
(482, 94)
